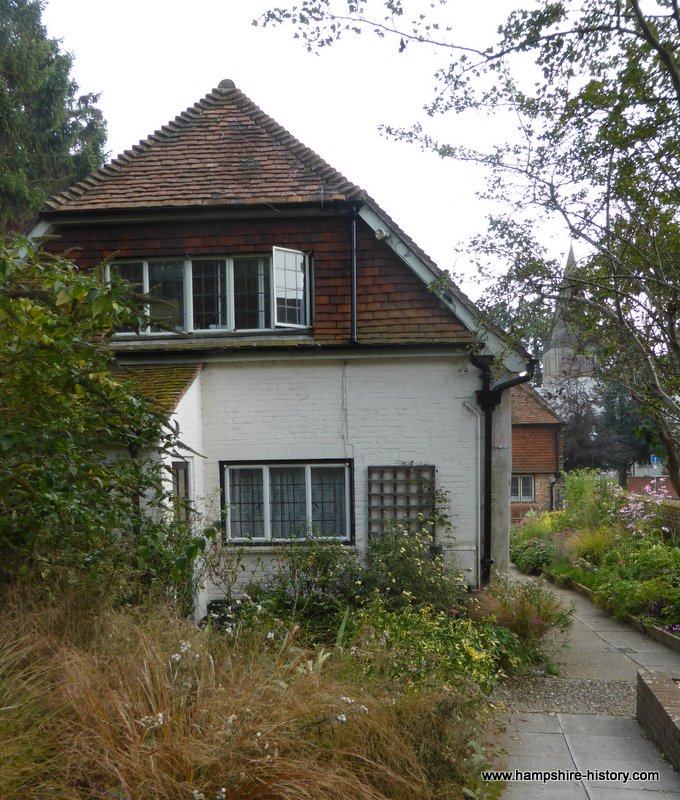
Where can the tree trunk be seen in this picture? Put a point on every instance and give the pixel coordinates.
(672, 460)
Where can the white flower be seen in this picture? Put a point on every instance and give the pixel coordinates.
(362, 709)
(197, 795)
(221, 794)
(347, 700)
(184, 646)
(153, 721)
(270, 635)
(176, 658)
(341, 718)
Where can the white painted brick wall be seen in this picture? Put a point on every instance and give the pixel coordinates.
(377, 411)
(189, 417)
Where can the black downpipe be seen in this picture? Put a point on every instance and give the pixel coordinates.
(353, 288)
(488, 399)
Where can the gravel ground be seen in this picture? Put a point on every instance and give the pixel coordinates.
(576, 696)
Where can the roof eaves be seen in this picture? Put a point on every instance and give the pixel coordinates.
(453, 298)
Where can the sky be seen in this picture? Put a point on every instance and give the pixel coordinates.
(151, 59)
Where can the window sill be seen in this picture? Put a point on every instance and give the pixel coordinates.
(269, 548)
(195, 341)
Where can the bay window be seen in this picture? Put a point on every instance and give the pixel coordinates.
(244, 293)
(282, 501)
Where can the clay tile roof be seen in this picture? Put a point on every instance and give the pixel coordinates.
(163, 384)
(224, 151)
(529, 408)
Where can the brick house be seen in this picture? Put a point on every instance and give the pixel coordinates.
(315, 377)
(537, 452)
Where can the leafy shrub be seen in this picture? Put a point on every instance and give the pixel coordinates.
(526, 608)
(653, 598)
(532, 555)
(317, 580)
(654, 559)
(420, 646)
(313, 580)
(79, 446)
(579, 573)
(405, 571)
(590, 500)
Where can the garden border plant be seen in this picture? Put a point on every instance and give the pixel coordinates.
(613, 543)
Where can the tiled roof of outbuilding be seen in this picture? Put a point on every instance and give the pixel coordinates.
(223, 151)
(163, 385)
(529, 408)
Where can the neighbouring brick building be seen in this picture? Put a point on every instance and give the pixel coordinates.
(316, 379)
(537, 451)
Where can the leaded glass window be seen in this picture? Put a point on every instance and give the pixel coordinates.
(287, 501)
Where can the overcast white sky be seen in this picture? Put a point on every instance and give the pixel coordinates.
(151, 59)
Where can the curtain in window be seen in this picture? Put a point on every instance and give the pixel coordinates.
(287, 502)
(328, 501)
(246, 503)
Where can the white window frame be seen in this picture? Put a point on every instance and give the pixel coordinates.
(228, 264)
(519, 496)
(276, 267)
(266, 495)
(182, 504)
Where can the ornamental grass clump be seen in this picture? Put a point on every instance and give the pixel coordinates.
(141, 704)
(529, 610)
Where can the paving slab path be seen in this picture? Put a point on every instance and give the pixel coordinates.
(584, 720)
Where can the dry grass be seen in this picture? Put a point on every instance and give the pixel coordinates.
(143, 705)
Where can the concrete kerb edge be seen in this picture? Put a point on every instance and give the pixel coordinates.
(658, 693)
(660, 635)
